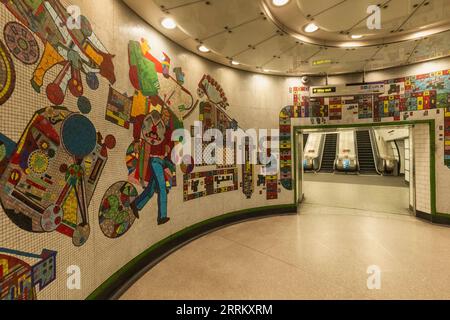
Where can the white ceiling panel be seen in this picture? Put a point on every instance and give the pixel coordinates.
(249, 32)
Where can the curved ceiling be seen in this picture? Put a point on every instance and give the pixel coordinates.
(265, 38)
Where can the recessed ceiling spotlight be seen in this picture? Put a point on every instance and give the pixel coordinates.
(203, 49)
(279, 3)
(169, 23)
(356, 36)
(235, 63)
(311, 27)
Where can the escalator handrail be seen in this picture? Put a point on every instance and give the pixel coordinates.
(336, 152)
(399, 161)
(375, 150)
(322, 149)
(358, 169)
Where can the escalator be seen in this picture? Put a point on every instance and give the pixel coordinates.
(365, 153)
(329, 153)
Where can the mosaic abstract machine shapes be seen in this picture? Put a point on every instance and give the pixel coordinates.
(49, 177)
(156, 109)
(213, 116)
(202, 184)
(75, 48)
(152, 77)
(116, 215)
(19, 280)
(118, 109)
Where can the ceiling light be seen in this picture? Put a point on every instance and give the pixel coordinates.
(311, 27)
(235, 63)
(203, 49)
(279, 3)
(421, 34)
(169, 23)
(350, 45)
(321, 62)
(356, 36)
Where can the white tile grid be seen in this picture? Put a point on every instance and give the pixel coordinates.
(422, 166)
(442, 171)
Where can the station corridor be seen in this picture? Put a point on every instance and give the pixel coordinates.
(188, 154)
(322, 253)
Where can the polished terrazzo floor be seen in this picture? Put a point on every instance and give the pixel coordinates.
(373, 193)
(322, 253)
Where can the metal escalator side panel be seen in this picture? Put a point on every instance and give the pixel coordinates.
(312, 151)
(346, 152)
(378, 159)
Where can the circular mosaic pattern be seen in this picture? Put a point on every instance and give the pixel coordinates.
(21, 42)
(38, 162)
(81, 235)
(52, 218)
(153, 128)
(7, 74)
(110, 141)
(78, 135)
(84, 105)
(92, 81)
(55, 94)
(116, 215)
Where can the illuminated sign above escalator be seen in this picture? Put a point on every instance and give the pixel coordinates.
(347, 90)
(324, 90)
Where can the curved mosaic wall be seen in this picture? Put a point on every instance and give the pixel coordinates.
(88, 104)
(86, 144)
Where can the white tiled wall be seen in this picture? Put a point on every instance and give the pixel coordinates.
(407, 166)
(442, 171)
(422, 167)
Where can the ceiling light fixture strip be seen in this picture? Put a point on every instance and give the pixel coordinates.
(166, 10)
(231, 29)
(410, 16)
